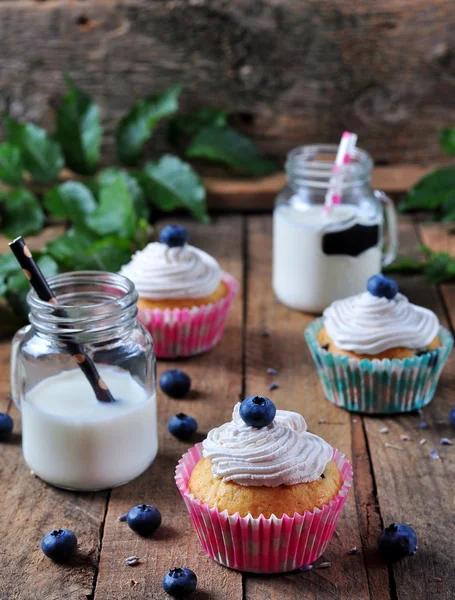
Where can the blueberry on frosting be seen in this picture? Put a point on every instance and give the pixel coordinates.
(382, 287)
(174, 236)
(257, 411)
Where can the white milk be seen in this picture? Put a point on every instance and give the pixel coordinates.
(304, 277)
(73, 441)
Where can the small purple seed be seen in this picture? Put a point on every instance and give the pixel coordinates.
(445, 442)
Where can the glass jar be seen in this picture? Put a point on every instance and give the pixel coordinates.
(320, 256)
(69, 438)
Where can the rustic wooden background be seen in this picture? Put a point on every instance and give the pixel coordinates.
(292, 71)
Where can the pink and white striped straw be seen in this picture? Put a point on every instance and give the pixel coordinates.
(343, 157)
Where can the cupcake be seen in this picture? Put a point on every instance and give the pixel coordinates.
(376, 352)
(184, 296)
(263, 493)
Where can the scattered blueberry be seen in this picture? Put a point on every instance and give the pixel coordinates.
(397, 540)
(59, 545)
(257, 411)
(423, 425)
(174, 236)
(452, 417)
(273, 386)
(144, 519)
(175, 383)
(182, 426)
(445, 442)
(306, 568)
(272, 371)
(434, 455)
(179, 582)
(6, 426)
(382, 287)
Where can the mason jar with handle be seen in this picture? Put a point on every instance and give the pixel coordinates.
(320, 256)
(69, 438)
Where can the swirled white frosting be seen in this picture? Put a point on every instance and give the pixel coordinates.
(282, 453)
(160, 272)
(366, 324)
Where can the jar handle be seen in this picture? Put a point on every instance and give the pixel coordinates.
(15, 376)
(390, 251)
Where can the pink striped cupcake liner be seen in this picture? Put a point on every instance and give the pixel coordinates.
(240, 542)
(189, 331)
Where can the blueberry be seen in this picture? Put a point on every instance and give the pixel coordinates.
(144, 519)
(382, 287)
(175, 383)
(182, 426)
(397, 540)
(452, 416)
(59, 545)
(6, 426)
(174, 236)
(179, 582)
(257, 411)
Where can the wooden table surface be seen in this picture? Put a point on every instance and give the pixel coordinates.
(403, 485)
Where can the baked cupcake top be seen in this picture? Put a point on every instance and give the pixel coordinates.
(172, 268)
(282, 452)
(379, 319)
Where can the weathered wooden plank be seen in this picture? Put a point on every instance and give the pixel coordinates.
(290, 72)
(29, 509)
(412, 487)
(285, 349)
(259, 194)
(217, 380)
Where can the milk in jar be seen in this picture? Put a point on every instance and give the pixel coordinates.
(320, 256)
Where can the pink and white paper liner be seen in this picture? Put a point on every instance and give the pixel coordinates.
(262, 545)
(189, 331)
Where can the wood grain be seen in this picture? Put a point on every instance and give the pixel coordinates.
(217, 380)
(260, 194)
(411, 487)
(285, 350)
(29, 509)
(290, 72)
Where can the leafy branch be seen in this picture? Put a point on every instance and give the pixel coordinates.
(107, 213)
(434, 193)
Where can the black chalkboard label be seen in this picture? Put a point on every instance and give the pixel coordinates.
(352, 241)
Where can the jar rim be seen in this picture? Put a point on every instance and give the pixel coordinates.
(75, 278)
(303, 167)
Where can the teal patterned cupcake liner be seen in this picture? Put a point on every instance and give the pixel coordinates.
(378, 386)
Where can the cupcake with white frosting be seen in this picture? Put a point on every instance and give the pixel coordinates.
(184, 296)
(263, 493)
(378, 353)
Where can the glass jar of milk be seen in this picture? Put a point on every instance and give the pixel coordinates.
(69, 438)
(321, 256)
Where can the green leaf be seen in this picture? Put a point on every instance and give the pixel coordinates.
(231, 148)
(106, 254)
(8, 264)
(447, 140)
(18, 286)
(70, 200)
(11, 166)
(137, 125)
(188, 125)
(437, 269)
(68, 248)
(79, 130)
(406, 264)
(21, 213)
(172, 183)
(115, 212)
(41, 155)
(140, 206)
(431, 191)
